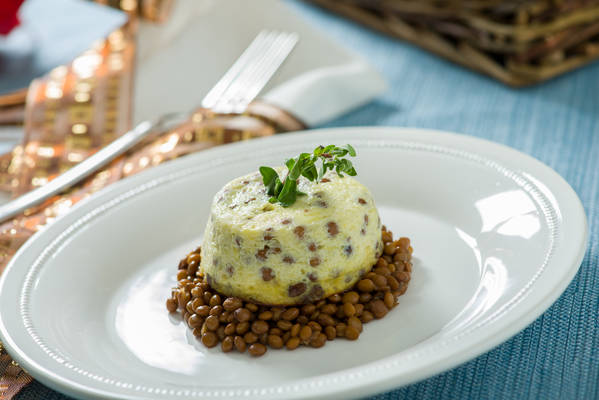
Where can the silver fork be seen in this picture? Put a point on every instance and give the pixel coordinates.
(231, 94)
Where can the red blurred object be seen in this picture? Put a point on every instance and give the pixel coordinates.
(8, 15)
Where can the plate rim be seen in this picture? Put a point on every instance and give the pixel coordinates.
(369, 387)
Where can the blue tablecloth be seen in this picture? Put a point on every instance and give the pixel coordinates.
(557, 357)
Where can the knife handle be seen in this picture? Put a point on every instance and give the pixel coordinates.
(86, 167)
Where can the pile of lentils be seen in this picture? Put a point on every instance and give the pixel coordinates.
(241, 325)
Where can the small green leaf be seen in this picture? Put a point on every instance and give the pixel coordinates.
(352, 151)
(331, 159)
(270, 179)
(290, 163)
(268, 174)
(288, 193)
(309, 172)
(278, 187)
(347, 167)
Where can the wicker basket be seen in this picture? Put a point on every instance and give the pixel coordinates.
(519, 42)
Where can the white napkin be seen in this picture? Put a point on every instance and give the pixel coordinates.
(181, 60)
(317, 96)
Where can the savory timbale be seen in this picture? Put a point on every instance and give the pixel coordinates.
(291, 257)
(271, 254)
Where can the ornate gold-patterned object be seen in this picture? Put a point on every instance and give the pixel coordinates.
(153, 10)
(518, 42)
(12, 377)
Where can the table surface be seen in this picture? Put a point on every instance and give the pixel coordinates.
(557, 356)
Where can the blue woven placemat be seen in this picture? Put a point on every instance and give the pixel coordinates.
(557, 357)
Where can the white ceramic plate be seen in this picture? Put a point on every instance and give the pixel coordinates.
(497, 237)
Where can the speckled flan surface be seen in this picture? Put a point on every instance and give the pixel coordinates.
(270, 254)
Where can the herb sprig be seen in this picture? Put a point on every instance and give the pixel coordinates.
(331, 157)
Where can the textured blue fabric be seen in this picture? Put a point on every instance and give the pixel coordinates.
(556, 357)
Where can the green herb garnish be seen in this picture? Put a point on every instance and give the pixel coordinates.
(286, 192)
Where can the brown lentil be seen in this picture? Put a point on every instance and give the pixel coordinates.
(366, 317)
(295, 330)
(257, 350)
(340, 328)
(276, 313)
(225, 317)
(239, 343)
(331, 332)
(212, 323)
(263, 338)
(349, 309)
(389, 300)
(230, 328)
(181, 274)
(197, 302)
(290, 314)
(318, 341)
(232, 303)
(284, 325)
(216, 310)
(275, 331)
(196, 292)
(220, 332)
(299, 231)
(195, 321)
(365, 298)
(250, 337)
(365, 285)
(305, 333)
(308, 309)
(335, 298)
(242, 314)
(209, 339)
(275, 341)
(315, 326)
(392, 282)
(359, 309)
(214, 317)
(329, 309)
(171, 305)
(379, 309)
(265, 315)
(259, 327)
(380, 281)
(326, 320)
(182, 298)
(227, 344)
(242, 327)
(351, 297)
(332, 228)
(351, 333)
(292, 343)
(189, 307)
(354, 323)
(203, 311)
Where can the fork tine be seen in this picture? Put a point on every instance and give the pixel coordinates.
(256, 72)
(268, 71)
(248, 54)
(250, 70)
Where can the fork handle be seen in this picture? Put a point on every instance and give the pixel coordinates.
(80, 171)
